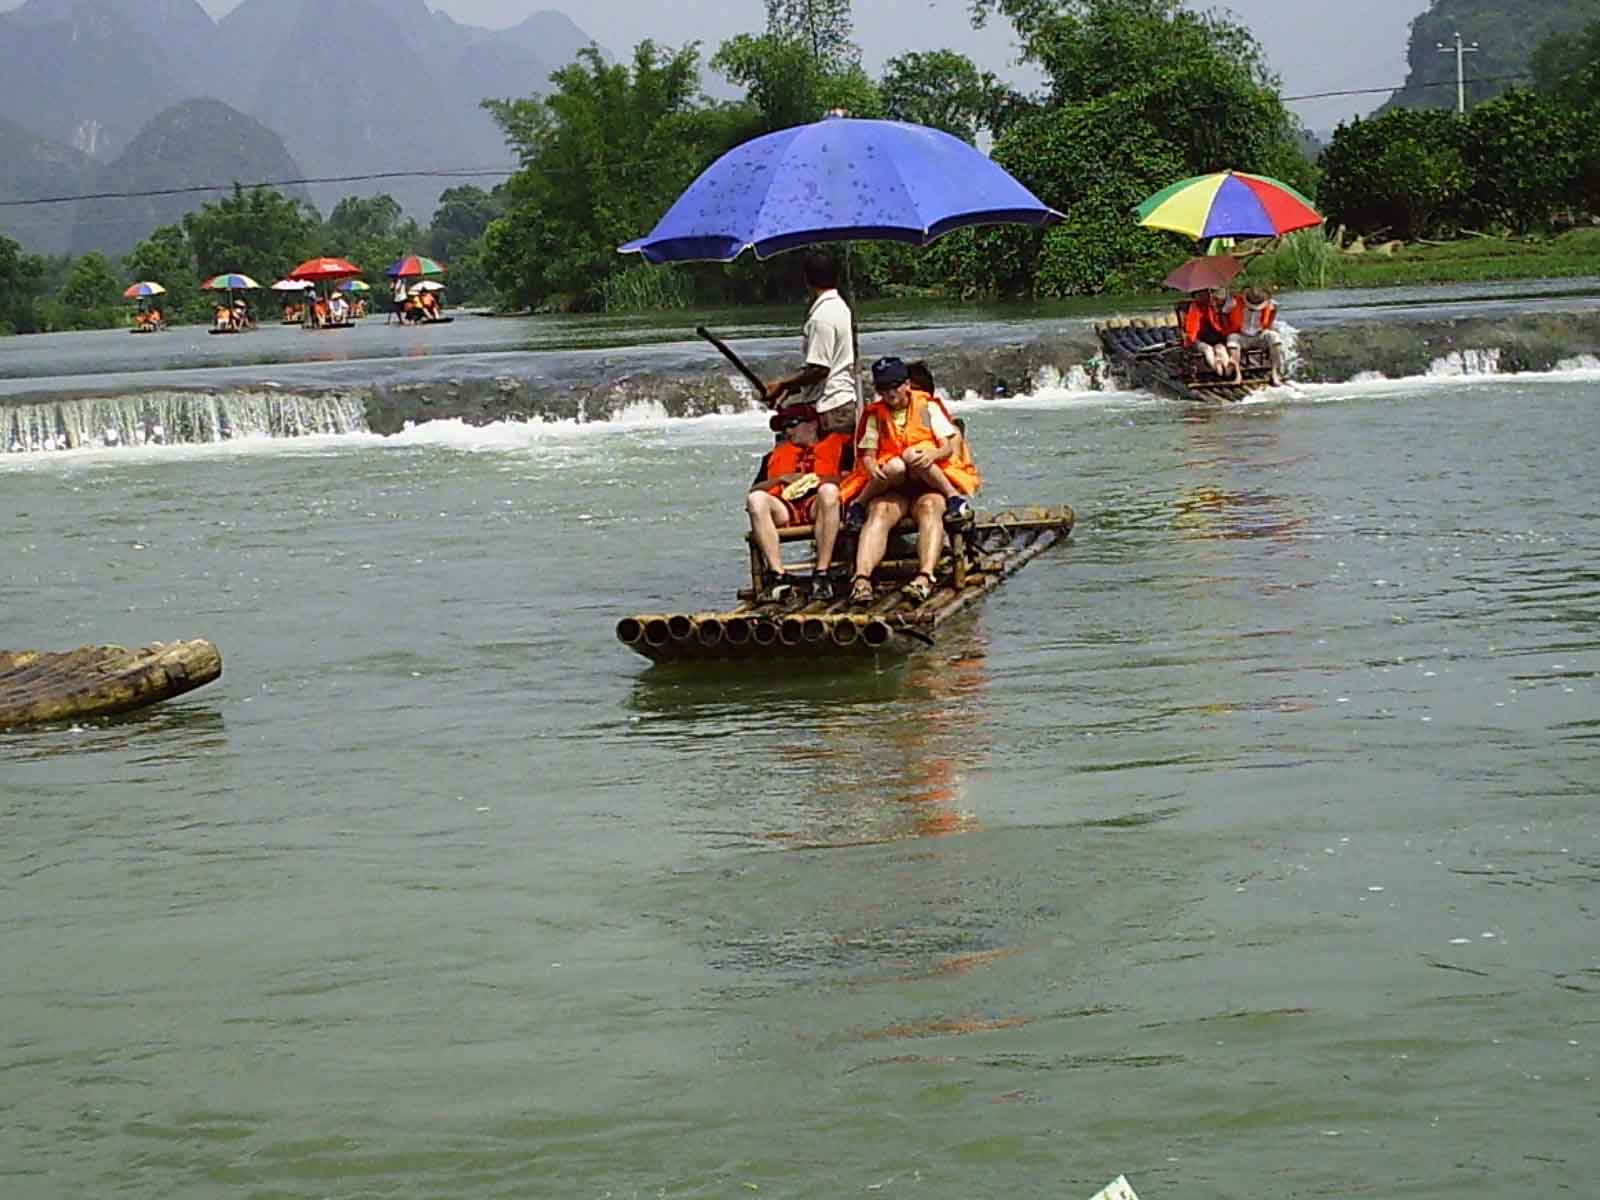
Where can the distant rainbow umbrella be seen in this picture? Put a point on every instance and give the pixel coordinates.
(138, 291)
(414, 264)
(353, 285)
(229, 281)
(1228, 204)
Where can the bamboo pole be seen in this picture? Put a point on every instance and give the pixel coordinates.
(100, 680)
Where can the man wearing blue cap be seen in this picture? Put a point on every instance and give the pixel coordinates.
(910, 459)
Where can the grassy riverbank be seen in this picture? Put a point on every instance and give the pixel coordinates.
(1466, 260)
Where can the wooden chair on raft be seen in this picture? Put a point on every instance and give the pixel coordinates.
(899, 561)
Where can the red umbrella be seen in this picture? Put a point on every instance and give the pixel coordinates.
(1212, 271)
(325, 268)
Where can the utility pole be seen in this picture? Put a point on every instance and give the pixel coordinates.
(1461, 75)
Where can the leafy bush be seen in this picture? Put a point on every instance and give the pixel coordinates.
(641, 288)
(1403, 171)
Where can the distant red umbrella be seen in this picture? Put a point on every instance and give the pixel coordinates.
(1212, 271)
(319, 269)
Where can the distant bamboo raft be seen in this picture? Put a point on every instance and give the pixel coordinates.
(94, 681)
(978, 559)
(1148, 352)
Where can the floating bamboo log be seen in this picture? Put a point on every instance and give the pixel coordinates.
(992, 548)
(93, 681)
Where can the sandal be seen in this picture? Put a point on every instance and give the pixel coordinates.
(779, 586)
(861, 590)
(920, 587)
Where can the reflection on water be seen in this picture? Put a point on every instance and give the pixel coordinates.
(863, 755)
(172, 732)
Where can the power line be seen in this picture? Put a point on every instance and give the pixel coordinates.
(447, 173)
(1400, 87)
(501, 172)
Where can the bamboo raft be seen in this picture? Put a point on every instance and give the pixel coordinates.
(94, 681)
(1148, 353)
(978, 557)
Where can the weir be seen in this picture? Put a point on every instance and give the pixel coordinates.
(174, 418)
(686, 379)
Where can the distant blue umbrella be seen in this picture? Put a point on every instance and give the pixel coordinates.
(835, 180)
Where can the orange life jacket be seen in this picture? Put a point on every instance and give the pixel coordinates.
(790, 459)
(1200, 318)
(959, 468)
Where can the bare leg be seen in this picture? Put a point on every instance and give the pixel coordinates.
(932, 477)
(894, 474)
(929, 512)
(826, 525)
(1275, 352)
(884, 514)
(766, 514)
(1236, 359)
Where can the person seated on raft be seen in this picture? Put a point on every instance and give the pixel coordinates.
(1250, 316)
(319, 312)
(799, 485)
(338, 309)
(222, 317)
(241, 314)
(1203, 326)
(430, 305)
(910, 458)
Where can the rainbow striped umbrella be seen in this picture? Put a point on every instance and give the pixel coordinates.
(139, 290)
(1228, 204)
(229, 281)
(414, 264)
(353, 285)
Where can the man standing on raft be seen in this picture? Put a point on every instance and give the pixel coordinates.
(827, 381)
(910, 458)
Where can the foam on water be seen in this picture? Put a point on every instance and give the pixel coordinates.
(161, 425)
(1466, 363)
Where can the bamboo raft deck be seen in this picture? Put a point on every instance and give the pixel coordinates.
(93, 681)
(1148, 352)
(977, 559)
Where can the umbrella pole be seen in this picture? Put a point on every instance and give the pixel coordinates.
(855, 328)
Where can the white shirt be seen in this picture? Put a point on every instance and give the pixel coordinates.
(937, 421)
(829, 343)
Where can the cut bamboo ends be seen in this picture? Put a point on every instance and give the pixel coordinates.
(998, 544)
(95, 681)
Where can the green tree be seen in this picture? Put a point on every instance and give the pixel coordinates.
(370, 231)
(260, 233)
(91, 296)
(1404, 172)
(1140, 93)
(943, 89)
(1523, 153)
(604, 156)
(1567, 69)
(167, 258)
(460, 218)
(21, 284)
(789, 85)
(824, 27)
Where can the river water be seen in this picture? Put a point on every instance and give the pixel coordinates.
(1246, 845)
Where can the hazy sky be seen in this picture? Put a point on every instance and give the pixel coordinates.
(1315, 45)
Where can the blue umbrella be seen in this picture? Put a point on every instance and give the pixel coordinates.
(836, 180)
